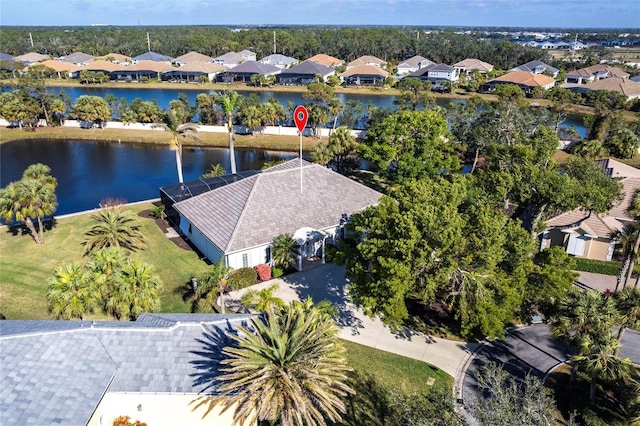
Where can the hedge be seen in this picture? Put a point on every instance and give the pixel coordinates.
(601, 266)
(242, 278)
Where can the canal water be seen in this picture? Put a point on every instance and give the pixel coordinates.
(89, 172)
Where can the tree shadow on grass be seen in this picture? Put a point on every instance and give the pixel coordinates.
(370, 404)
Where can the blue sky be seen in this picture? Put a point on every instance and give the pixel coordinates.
(513, 13)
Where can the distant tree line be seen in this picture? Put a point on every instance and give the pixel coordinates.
(391, 44)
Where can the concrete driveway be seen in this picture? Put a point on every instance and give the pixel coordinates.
(328, 282)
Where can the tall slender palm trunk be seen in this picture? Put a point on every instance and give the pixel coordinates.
(179, 165)
(232, 155)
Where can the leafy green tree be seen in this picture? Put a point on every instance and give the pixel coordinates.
(335, 108)
(103, 269)
(207, 108)
(214, 171)
(285, 251)
(70, 293)
(622, 143)
(31, 198)
(114, 227)
(229, 102)
(550, 280)
(143, 112)
(93, 109)
(262, 300)
(288, 367)
(413, 94)
(338, 151)
(592, 149)
(209, 285)
(410, 145)
(351, 114)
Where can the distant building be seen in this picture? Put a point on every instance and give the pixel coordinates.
(537, 67)
(366, 60)
(62, 69)
(280, 61)
(146, 69)
(30, 58)
(304, 73)
(594, 73)
(152, 56)
(243, 72)
(77, 58)
(413, 64)
(527, 81)
(192, 57)
(470, 65)
(364, 75)
(326, 60)
(194, 71)
(435, 73)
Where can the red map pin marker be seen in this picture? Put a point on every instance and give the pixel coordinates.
(300, 116)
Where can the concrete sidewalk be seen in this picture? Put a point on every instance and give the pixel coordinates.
(327, 282)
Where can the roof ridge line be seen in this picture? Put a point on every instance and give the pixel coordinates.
(242, 213)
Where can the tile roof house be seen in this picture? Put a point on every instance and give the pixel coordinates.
(594, 73)
(193, 71)
(435, 73)
(364, 75)
(278, 60)
(470, 65)
(229, 59)
(589, 235)
(116, 58)
(6, 57)
(624, 86)
(152, 56)
(366, 60)
(31, 57)
(537, 67)
(247, 55)
(62, 69)
(326, 60)
(413, 64)
(101, 65)
(246, 70)
(192, 57)
(238, 222)
(141, 70)
(527, 81)
(77, 58)
(304, 73)
(88, 373)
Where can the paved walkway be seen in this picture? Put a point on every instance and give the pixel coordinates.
(328, 282)
(598, 282)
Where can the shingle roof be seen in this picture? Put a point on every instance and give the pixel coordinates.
(525, 78)
(255, 210)
(593, 224)
(615, 169)
(232, 57)
(57, 65)
(56, 372)
(365, 70)
(624, 86)
(325, 60)
(474, 64)
(532, 65)
(101, 65)
(309, 67)
(5, 57)
(193, 57)
(366, 60)
(277, 58)
(77, 58)
(415, 61)
(154, 66)
(254, 67)
(153, 56)
(598, 68)
(31, 57)
(204, 67)
(116, 57)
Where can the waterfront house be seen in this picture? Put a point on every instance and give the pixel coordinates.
(326, 60)
(77, 58)
(280, 61)
(470, 65)
(192, 57)
(30, 58)
(141, 71)
(243, 72)
(364, 75)
(62, 69)
(366, 60)
(527, 81)
(152, 56)
(594, 73)
(413, 64)
(304, 73)
(537, 67)
(435, 73)
(194, 72)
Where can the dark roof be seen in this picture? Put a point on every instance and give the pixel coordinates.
(309, 67)
(254, 67)
(532, 65)
(56, 372)
(185, 190)
(77, 58)
(153, 56)
(253, 211)
(5, 57)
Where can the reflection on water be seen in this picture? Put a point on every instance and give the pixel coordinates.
(89, 171)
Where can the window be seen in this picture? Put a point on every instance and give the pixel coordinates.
(267, 255)
(245, 260)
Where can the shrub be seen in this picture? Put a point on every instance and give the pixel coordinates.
(242, 278)
(330, 252)
(263, 271)
(276, 272)
(157, 211)
(597, 266)
(126, 421)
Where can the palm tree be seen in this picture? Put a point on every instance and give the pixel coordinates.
(214, 171)
(336, 107)
(285, 250)
(179, 130)
(114, 227)
(634, 211)
(229, 101)
(628, 304)
(104, 271)
(138, 291)
(209, 285)
(263, 300)
(70, 294)
(287, 367)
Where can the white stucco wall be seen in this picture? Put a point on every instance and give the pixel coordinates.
(197, 238)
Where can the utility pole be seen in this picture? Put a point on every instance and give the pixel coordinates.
(274, 42)
(31, 39)
(148, 42)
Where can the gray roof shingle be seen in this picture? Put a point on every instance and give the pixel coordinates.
(255, 210)
(254, 67)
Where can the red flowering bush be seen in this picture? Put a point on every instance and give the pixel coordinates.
(263, 271)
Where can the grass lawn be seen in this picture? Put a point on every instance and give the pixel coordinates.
(25, 267)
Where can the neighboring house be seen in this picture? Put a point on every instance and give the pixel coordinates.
(101, 65)
(247, 55)
(192, 56)
(594, 73)
(279, 61)
(435, 73)
(152, 56)
(229, 60)
(624, 86)
(589, 235)
(30, 58)
(536, 67)
(470, 65)
(366, 60)
(6, 57)
(116, 58)
(141, 70)
(154, 370)
(413, 64)
(364, 75)
(193, 71)
(246, 70)
(527, 81)
(78, 58)
(304, 73)
(236, 223)
(326, 60)
(62, 69)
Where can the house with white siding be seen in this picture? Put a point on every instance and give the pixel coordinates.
(238, 222)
